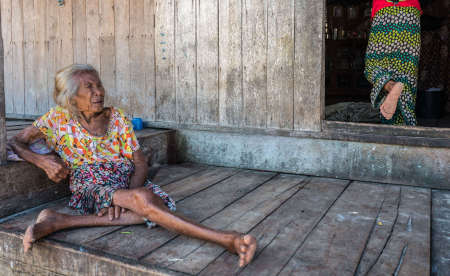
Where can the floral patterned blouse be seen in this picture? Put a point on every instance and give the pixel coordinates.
(76, 146)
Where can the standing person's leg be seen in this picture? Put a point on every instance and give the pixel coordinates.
(391, 63)
(148, 205)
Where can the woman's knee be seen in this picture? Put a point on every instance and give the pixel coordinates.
(145, 199)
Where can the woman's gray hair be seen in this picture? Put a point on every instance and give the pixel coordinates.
(67, 83)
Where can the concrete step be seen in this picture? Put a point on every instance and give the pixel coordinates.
(23, 185)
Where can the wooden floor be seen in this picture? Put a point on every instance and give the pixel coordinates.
(304, 226)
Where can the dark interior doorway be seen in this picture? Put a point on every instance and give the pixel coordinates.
(347, 96)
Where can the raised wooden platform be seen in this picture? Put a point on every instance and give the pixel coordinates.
(304, 225)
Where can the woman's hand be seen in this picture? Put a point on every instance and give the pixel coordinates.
(113, 212)
(54, 167)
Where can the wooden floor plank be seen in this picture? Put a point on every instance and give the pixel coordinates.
(171, 173)
(140, 241)
(190, 255)
(407, 251)
(339, 240)
(197, 182)
(381, 230)
(281, 232)
(440, 233)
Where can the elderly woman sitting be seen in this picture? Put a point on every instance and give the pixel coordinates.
(97, 147)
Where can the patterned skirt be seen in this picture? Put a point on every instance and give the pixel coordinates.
(93, 186)
(393, 54)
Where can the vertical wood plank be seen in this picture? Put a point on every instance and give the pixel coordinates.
(52, 44)
(6, 21)
(254, 51)
(186, 61)
(207, 62)
(64, 52)
(137, 58)
(230, 63)
(41, 57)
(18, 58)
(308, 67)
(280, 74)
(122, 34)
(107, 51)
(79, 31)
(2, 100)
(92, 33)
(29, 37)
(149, 47)
(164, 57)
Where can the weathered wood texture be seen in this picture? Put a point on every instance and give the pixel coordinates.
(440, 233)
(304, 226)
(219, 63)
(2, 104)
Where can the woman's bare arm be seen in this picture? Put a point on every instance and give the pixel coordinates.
(50, 163)
(140, 171)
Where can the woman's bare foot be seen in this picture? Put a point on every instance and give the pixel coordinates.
(46, 223)
(245, 247)
(389, 105)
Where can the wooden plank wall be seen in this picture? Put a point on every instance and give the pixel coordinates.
(2, 106)
(230, 63)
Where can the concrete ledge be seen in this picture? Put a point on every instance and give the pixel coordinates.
(55, 258)
(23, 185)
(407, 165)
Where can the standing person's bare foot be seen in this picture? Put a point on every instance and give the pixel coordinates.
(245, 247)
(45, 225)
(389, 105)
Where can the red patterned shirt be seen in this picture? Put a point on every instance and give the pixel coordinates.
(379, 4)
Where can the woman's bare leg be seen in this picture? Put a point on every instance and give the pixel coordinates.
(389, 105)
(50, 221)
(146, 204)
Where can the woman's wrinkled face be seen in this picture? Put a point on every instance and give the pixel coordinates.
(91, 94)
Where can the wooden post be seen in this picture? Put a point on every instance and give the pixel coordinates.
(2, 104)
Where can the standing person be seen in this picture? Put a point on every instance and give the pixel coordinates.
(97, 147)
(392, 59)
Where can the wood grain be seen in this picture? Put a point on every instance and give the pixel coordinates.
(2, 102)
(149, 48)
(18, 56)
(29, 37)
(407, 250)
(338, 240)
(186, 61)
(6, 22)
(309, 65)
(280, 64)
(165, 61)
(107, 52)
(254, 59)
(64, 53)
(52, 44)
(92, 34)
(122, 55)
(207, 62)
(440, 229)
(41, 57)
(230, 63)
(137, 59)
(79, 31)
